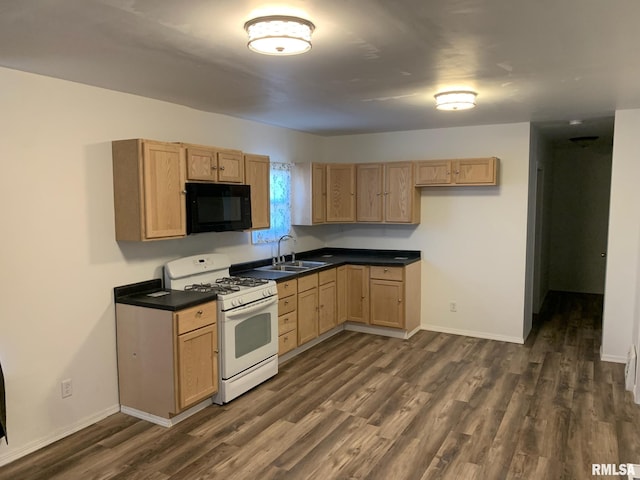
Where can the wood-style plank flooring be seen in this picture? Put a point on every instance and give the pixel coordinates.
(436, 406)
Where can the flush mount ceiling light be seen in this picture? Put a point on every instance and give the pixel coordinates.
(456, 100)
(279, 35)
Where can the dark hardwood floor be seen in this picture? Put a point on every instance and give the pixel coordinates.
(362, 406)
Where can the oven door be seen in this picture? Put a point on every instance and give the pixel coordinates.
(249, 335)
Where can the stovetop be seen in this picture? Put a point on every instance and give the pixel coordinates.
(227, 285)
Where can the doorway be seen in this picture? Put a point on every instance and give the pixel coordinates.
(572, 189)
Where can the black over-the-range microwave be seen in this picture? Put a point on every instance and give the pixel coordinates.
(218, 207)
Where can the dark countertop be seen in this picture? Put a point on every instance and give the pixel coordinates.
(334, 258)
(143, 294)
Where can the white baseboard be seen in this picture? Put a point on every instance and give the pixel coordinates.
(166, 422)
(472, 333)
(373, 330)
(57, 435)
(612, 358)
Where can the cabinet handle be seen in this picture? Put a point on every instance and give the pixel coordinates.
(286, 302)
(222, 168)
(399, 300)
(183, 192)
(213, 167)
(386, 269)
(199, 313)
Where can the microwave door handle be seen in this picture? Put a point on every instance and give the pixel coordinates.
(236, 312)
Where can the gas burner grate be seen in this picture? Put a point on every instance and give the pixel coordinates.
(241, 281)
(218, 288)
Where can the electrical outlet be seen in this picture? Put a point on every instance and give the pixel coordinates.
(453, 307)
(67, 388)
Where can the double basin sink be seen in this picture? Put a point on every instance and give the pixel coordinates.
(294, 266)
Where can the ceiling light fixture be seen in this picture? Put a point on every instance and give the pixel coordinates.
(456, 100)
(279, 35)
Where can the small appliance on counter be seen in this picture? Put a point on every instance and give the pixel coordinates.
(247, 320)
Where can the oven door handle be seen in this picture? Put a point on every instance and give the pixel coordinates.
(253, 307)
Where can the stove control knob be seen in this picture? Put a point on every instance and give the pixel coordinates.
(239, 301)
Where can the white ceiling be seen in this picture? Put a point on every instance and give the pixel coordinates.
(375, 64)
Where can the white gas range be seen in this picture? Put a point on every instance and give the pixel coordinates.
(247, 320)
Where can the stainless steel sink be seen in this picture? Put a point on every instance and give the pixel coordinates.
(304, 264)
(296, 266)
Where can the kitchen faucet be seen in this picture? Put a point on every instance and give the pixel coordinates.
(280, 259)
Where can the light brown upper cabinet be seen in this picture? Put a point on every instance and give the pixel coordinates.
(341, 192)
(308, 194)
(370, 190)
(386, 193)
(401, 198)
(257, 175)
(466, 171)
(148, 188)
(211, 164)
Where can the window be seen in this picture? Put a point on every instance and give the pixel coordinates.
(280, 205)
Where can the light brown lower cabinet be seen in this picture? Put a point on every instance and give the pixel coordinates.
(384, 296)
(307, 308)
(327, 296)
(341, 294)
(167, 361)
(287, 316)
(357, 293)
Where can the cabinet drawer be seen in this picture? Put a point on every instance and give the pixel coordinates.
(287, 341)
(387, 273)
(327, 276)
(196, 317)
(287, 288)
(287, 322)
(287, 305)
(307, 282)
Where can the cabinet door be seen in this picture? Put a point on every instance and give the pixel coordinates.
(197, 365)
(399, 192)
(358, 293)
(369, 192)
(387, 303)
(341, 294)
(201, 164)
(258, 177)
(433, 172)
(318, 193)
(307, 315)
(327, 307)
(230, 166)
(475, 171)
(341, 199)
(164, 201)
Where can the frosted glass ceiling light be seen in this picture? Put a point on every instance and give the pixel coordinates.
(279, 35)
(457, 100)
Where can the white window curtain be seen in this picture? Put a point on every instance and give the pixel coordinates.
(280, 205)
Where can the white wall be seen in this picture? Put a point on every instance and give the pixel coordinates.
(59, 259)
(473, 239)
(621, 284)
